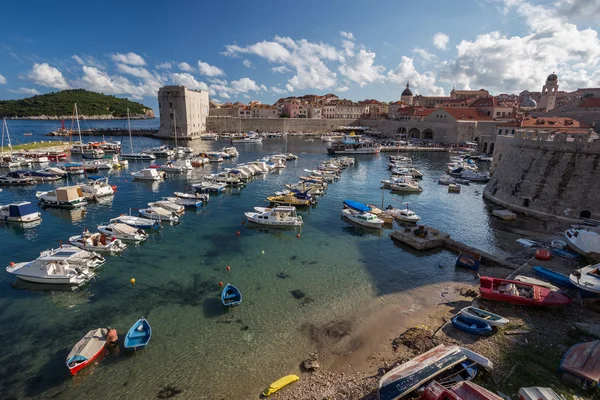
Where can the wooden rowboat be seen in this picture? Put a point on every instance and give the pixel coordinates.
(138, 335)
(231, 296)
(474, 326)
(89, 348)
(520, 293)
(483, 315)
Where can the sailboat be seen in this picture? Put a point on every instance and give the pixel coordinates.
(132, 155)
(7, 162)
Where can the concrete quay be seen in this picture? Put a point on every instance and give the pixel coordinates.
(412, 149)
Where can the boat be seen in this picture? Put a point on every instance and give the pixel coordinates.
(162, 151)
(97, 242)
(543, 254)
(183, 201)
(96, 165)
(453, 188)
(16, 179)
(159, 214)
(353, 144)
(464, 390)
(123, 231)
(22, 212)
(177, 166)
(470, 325)
(483, 315)
(131, 155)
(250, 137)
(537, 282)
(527, 243)
(148, 174)
(583, 241)
(357, 206)
(475, 176)
(565, 254)
(209, 136)
(580, 364)
(65, 197)
(42, 176)
(477, 358)
(587, 281)
(231, 296)
(362, 218)
(406, 187)
(538, 393)
(136, 222)
(554, 277)
(89, 348)
(558, 244)
(280, 384)
(520, 293)
(289, 200)
(205, 186)
(468, 260)
(407, 377)
(92, 150)
(169, 206)
(97, 186)
(205, 197)
(138, 335)
(277, 216)
(66, 265)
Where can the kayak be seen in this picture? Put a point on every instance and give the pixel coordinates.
(280, 384)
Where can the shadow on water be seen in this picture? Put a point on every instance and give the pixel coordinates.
(51, 375)
(212, 307)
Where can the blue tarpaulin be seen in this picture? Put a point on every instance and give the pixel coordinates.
(357, 206)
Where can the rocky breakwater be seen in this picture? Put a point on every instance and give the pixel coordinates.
(148, 114)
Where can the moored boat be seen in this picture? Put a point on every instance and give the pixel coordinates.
(65, 197)
(205, 197)
(231, 296)
(97, 242)
(289, 200)
(169, 206)
(520, 293)
(183, 201)
(277, 216)
(587, 281)
(468, 260)
(90, 347)
(470, 325)
(583, 241)
(137, 222)
(22, 212)
(483, 315)
(138, 335)
(159, 214)
(123, 232)
(148, 174)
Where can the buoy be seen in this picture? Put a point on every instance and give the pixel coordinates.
(263, 252)
(132, 281)
(228, 268)
(220, 283)
(298, 236)
(238, 233)
(243, 222)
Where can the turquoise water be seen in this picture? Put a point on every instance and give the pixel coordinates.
(198, 346)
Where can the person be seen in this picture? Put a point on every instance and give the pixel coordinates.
(111, 336)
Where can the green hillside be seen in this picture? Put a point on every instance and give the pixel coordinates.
(61, 104)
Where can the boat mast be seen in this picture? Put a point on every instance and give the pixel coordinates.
(78, 127)
(129, 129)
(3, 125)
(175, 126)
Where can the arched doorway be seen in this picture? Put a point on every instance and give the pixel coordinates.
(585, 214)
(428, 134)
(476, 139)
(414, 133)
(402, 129)
(485, 147)
(491, 148)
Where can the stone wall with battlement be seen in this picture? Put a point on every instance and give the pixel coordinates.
(546, 176)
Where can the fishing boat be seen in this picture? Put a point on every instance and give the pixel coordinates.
(520, 293)
(406, 187)
(184, 202)
(280, 384)
(289, 200)
(22, 212)
(565, 254)
(123, 232)
(16, 179)
(143, 156)
(587, 281)
(231, 296)
(552, 276)
(407, 377)
(205, 197)
(470, 325)
(159, 214)
(148, 174)
(483, 315)
(65, 197)
(136, 222)
(580, 364)
(169, 206)
(97, 242)
(468, 260)
(464, 390)
(138, 335)
(583, 241)
(89, 348)
(361, 214)
(277, 216)
(97, 186)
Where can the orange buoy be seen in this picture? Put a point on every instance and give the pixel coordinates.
(238, 233)
(228, 268)
(298, 236)
(543, 254)
(220, 283)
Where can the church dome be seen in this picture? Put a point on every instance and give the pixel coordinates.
(407, 91)
(552, 77)
(529, 103)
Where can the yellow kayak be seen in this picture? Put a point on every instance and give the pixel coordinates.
(279, 384)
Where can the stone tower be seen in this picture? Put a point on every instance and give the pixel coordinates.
(549, 91)
(407, 95)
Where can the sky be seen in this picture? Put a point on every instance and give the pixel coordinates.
(264, 50)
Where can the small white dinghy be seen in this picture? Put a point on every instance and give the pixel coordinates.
(97, 242)
(169, 206)
(123, 232)
(159, 214)
(205, 197)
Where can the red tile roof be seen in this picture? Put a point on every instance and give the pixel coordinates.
(484, 102)
(466, 114)
(590, 103)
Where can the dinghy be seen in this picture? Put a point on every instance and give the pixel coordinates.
(231, 296)
(520, 293)
(159, 214)
(483, 315)
(97, 242)
(474, 326)
(468, 260)
(138, 335)
(123, 232)
(86, 350)
(554, 277)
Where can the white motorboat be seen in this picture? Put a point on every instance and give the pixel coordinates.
(96, 165)
(92, 151)
(20, 212)
(184, 202)
(148, 174)
(403, 214)
(353, 144)
(230, 151)
(415, 173)
(143, 156)
(97, 242)
(66, 265)
(205, 197)
(406, 187)
(96, 187)
(475, 176)
(583, 241)
(247, 139)
(117, 163)
(162, 151)
(210, 186)
(136, 222)
(159, 214)
(111, 147)
(177, 166)
(123, 232)
(587, 280)
(277, 216)
(43, 176)
(363, 218)
(16, 178)
(446, 180)
(65, 197)
(169, 206)
(209, 136)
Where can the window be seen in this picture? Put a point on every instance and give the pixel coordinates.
(170, 105)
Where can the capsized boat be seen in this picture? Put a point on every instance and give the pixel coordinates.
(65, 197)
(580, 362)
(553, 276)
(483, 315)
(90, 347)
(231, 296)
(520, 293)
(587, 281)
(97, 242)
(159, 214)
(123, 231)
(19, 212)
(276, 216)
(475, 326)
(280, 384)
(138, 335)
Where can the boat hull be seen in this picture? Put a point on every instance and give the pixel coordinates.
(497, 290)
(554, 277)
(138, 335)
(471, 325)
(483, 315)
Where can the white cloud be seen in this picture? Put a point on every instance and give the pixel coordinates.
(341, 89)
(45, 75)
(360, 68)
(405, 71)
(245, 85)
(247, 63)
(165, 65)
(78, 59)
(189, 81)
(129, 58)
(424, 54)
(99, 81)
(185, 67)
(276, 90)
(440, 40)
(347, 35)
(138, 72)
(209, 70)
(281, 69)
(289, 88)
(29, 91)
(2, 80)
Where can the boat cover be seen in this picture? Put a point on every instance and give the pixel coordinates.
(88, 346)
(583, 361)
(357, 205)
(21, 209)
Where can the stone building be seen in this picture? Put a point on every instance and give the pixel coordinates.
(184, 110)
(343, 109)
(468, 94)
(407, 95)
(549, 92)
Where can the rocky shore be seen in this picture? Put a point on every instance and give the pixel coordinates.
(86, 117)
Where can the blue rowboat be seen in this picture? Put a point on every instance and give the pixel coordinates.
(554, 277)
(355, 205)
(138, 335)
(566, 254)
(231, 296)
(468, 260)
(471, 325)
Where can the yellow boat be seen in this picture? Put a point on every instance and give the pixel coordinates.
(288, 200)
(279, 384)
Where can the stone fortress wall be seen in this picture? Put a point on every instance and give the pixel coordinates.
(241, 125)
(546, 176)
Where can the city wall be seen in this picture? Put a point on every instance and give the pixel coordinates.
(545, 176)
(240, 125)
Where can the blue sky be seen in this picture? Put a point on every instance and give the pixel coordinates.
(266, 50)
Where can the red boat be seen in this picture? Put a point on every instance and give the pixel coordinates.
(56, 156)
(90, 347)
(543, 254)
(461, 391)
(520, 293)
